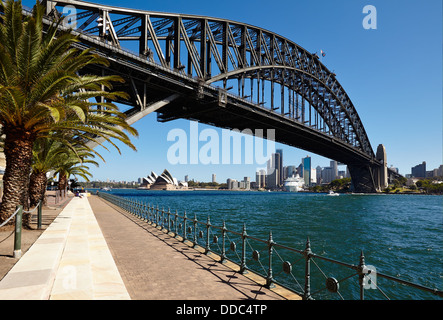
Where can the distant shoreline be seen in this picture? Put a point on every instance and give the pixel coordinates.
(278, 191)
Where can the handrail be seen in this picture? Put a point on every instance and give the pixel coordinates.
(187, 228)
(12, 216)
(18, 225)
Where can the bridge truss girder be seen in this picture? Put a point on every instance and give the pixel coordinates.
(204, 58)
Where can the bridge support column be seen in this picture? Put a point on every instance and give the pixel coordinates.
(370, 178)
(362, 177)
(381, 173)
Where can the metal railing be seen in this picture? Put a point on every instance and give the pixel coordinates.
(274, 262)
(18, 214)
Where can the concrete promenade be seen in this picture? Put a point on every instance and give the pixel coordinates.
(94, 250)
(69, 261)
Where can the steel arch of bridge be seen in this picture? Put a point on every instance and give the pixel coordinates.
(272, 75)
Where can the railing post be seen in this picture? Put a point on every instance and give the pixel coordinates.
(162, 219)
(145, 212)
(175, 223)
(243, 251)
(307, 253)
(361, 275)
(184, 227)
(269, 276)
(208, 226)
(149, 213)
(169, 220)
(195, 229)
(18, 233)
(223, 253)
(39, 214)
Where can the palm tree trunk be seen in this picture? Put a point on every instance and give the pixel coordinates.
(18, 153)
(37, 187)
(62, 181)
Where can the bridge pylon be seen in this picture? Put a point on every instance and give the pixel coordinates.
(381, 172)
(370, 178)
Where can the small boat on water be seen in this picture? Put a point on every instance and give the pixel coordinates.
(332, 193)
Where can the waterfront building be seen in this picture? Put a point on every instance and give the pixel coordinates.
(260, 179)
(419, 171)
(327, 175)
(214, 178)
(246, 183)
(165, 181)
(232, 184)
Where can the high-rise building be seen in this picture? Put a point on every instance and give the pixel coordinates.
(279, 166)
(419, 171)
(306, 170)
(214, 178)
(327, 175)
(289, 171)
(232, 184)
(246, 183)
(313, 176)
(273, 174)
(334, 167)
(318, 175)
(260, 178)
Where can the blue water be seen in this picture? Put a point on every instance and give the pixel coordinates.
(401, 235)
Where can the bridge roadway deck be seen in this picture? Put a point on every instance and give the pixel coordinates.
(94, 250)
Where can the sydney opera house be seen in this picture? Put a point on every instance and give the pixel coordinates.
(165, 181)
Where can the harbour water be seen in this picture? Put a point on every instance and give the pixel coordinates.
(400, 235)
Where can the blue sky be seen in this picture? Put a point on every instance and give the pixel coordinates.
(392, 74)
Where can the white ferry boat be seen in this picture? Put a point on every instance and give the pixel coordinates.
(294, 184)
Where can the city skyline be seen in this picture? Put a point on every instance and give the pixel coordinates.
(374, 66)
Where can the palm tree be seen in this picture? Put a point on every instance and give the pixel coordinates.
(41, 92)
(51, 155)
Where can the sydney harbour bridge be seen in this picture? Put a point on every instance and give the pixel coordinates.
(227, 74)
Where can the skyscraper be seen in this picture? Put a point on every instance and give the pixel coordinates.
(306, 170)
(334, 167)
(273, 174)
(289, 171)
(279, 166)
(419, 171)
(260, 178)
